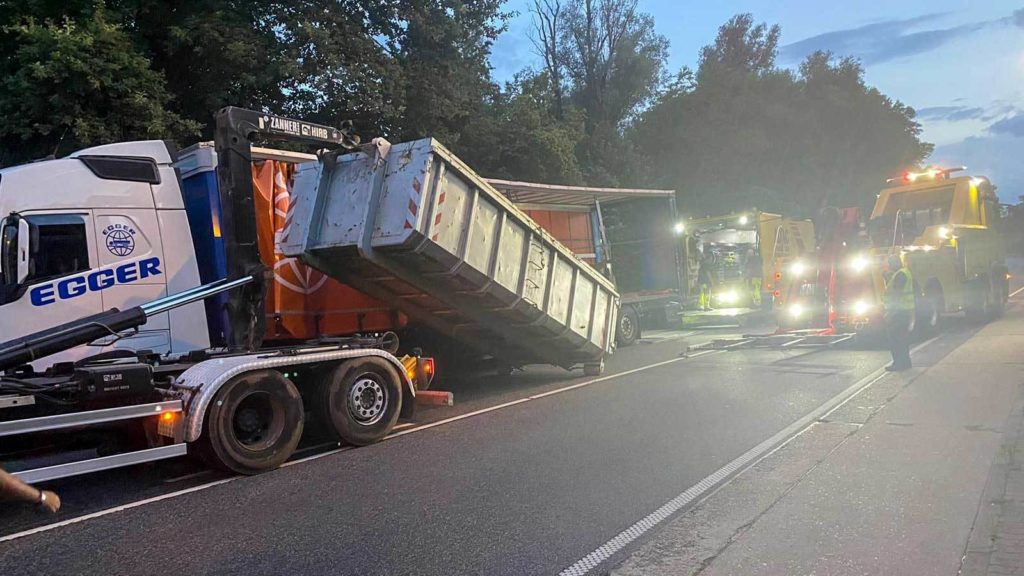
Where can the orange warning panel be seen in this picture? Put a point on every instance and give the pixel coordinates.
(302, 302)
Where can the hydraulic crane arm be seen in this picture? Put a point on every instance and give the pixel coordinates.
(235, 130)
(29, 348)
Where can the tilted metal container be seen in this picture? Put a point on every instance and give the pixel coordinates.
(413, 226)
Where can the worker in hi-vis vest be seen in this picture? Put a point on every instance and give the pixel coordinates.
(899, 313)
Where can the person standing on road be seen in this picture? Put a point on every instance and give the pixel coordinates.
(12, 489)
(752, 269)
(899, 313)
(704, 280)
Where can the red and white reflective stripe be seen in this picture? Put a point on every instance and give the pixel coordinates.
(414, 205)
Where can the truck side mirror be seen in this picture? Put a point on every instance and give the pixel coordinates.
(15, 248)
(24, 247)
(8, 253)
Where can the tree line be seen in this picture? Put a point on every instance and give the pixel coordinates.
(600, 107)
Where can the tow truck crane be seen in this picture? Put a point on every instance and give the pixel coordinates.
(107, 228)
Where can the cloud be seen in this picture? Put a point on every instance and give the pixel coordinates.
(1000, 109)
(995, 155)
(512, 51)
(1013, 126)
(887, 40)
(1018, 17)
(950, 113)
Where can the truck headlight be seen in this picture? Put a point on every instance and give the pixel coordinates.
(798, 268)
(796, 310)
(728, 297)
(861, 307)
(859, 264)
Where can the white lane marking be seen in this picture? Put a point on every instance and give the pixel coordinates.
(913, 350)
(543, 395)
(177, 479)
(723, 475)
(123, 507)
(101, 513)
(665, 336)
(1015, 292)
(314, 456)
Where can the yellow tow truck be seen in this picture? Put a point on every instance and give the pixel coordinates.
(947, 231)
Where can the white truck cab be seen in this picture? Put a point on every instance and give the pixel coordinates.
(102, 228)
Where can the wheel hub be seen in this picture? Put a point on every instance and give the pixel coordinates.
(626, 324)
(252, 420)
(366, 401)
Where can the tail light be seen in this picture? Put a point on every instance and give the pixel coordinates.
(426, 370)
(420, 371)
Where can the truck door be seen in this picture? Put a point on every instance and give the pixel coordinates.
(62, 249)
(124, 236)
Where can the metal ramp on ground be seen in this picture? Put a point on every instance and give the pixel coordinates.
(780, 341)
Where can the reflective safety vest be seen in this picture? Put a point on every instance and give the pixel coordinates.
(900, 300)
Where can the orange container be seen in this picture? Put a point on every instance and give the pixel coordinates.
(570, 228)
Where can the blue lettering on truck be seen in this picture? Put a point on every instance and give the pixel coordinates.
(68, 288)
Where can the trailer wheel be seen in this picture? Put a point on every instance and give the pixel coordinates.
(627, 329)
(1000, 292)
(361, 399)
(253, 424)
(977, 302)
(929, 308)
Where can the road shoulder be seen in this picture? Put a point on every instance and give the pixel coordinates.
(889, 483)
(996, 545)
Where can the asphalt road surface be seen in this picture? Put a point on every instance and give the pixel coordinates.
(523, 476)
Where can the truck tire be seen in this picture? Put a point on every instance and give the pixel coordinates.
(627, 329)
(594, 368)
(928, 309)
(360, 400)
(977, 306)
(253, 424)
(504, 369)
(1000, 292)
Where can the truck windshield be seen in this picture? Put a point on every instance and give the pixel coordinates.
(881, 229)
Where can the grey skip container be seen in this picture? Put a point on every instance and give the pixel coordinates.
(412, 225)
